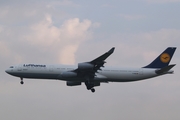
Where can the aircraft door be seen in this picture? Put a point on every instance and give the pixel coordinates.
(140, 71)
(51, 68)
(19, 67)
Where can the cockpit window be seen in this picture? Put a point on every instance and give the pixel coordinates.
(11, 67)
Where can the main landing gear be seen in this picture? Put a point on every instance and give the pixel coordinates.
(92, 90)
(90, 86)
(22, 82)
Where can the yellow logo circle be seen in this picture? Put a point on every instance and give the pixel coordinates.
(165, 57)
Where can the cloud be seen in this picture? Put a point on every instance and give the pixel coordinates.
(33, 33)
(65, 38)
(29, 12)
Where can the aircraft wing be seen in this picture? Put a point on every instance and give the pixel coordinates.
(99, 62)
(88, 69)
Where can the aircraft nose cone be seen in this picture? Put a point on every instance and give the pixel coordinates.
(7, 71)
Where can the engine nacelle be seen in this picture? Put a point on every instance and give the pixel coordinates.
(71, 83)
(68, 74)
(85, 66)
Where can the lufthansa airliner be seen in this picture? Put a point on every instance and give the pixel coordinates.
(93, 73)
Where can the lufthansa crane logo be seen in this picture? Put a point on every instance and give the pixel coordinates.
(165, 57)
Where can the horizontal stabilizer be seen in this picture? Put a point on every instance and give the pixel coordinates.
(165, 69)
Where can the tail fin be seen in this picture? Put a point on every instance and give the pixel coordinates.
(163, 59)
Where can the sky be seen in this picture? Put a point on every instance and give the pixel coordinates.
(74, 31)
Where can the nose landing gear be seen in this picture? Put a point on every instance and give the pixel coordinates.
(22, 82)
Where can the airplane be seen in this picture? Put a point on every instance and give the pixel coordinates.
(93, 73)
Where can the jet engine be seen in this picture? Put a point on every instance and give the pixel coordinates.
(85, 66)
(72, 83)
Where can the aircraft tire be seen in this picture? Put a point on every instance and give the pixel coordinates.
(93, 90)
(22, 82)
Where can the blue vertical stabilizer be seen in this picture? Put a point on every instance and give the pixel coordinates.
(163, 59)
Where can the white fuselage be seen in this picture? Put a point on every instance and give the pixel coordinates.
(107, 74)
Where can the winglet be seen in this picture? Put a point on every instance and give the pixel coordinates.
(111, 50)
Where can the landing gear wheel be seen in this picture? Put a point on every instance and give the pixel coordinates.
(93, 90)
(22, 82)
